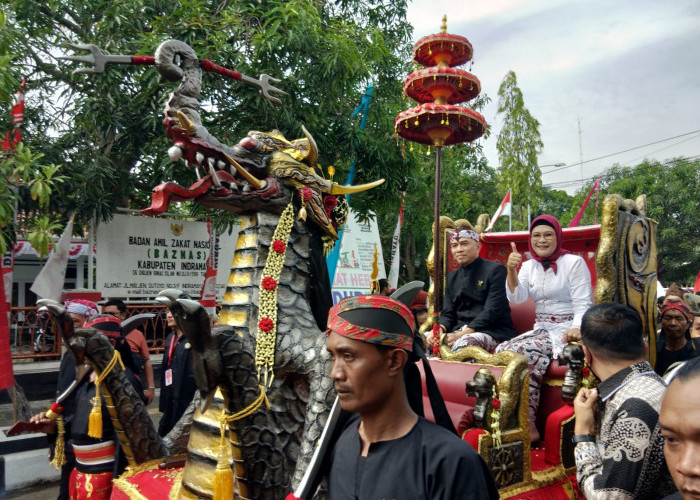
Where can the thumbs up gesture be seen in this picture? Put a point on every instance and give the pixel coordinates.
(514, 259)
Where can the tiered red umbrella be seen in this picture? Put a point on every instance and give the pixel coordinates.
(438, 121)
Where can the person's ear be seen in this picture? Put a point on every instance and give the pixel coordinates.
(396, 360)
(587, 355)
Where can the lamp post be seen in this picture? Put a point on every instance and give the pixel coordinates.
(552, 165)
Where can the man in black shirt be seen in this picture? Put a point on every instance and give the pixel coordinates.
(673, 344)
(475, 309)
(386, 450)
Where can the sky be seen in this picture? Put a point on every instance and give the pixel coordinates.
(626, 71)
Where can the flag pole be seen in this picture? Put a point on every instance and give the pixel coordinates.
(510, 219)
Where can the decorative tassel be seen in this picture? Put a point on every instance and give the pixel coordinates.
(223, 477)
(59, 450)
(95, 421)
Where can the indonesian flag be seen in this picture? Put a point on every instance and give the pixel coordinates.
(49, 283)
(207, 296)
(395, 254)
(504, 209)
(577, 219)
(14, 136)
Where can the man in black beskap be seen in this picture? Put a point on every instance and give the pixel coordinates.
(475, 309)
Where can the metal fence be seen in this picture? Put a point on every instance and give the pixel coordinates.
(36, 335)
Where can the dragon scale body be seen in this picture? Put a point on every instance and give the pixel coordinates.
(269, 445)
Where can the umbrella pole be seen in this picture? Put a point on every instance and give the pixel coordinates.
(436, 245)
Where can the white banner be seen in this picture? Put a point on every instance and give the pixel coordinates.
(77, 249)
(49, 283)
(137, 257)
(395, 249)
(354, 270)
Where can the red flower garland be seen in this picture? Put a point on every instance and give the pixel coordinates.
(329, 203)
(279, 246)
(269, 283)
(496, 403)
(306, 193)
(265, 325)
(586, 372)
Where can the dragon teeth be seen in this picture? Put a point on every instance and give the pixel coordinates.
(221, 165)
(212, 171)
(174, 153)
(199, 157)
(246, 188)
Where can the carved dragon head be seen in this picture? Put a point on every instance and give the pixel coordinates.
(261, 172)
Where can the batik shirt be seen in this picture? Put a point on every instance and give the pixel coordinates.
(627, 462)
(561, 298)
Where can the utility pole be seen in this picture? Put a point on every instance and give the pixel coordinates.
(580, 151)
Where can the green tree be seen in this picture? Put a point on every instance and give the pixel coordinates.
(558, 203)
(518, 146)
(25, 174)
(106, 129)
(672, 190)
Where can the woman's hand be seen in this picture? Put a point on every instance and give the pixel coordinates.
(514, 259)
(572, 335)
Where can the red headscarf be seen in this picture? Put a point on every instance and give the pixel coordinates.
(679, 306)
(551, 261)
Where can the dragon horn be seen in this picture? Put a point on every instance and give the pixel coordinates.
(252, 180)
(312, 156)
(338, 189)
(185, 123)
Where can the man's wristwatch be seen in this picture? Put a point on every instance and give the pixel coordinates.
(583, 438)
(151, 389)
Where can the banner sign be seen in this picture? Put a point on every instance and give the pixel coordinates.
(137, 257)
(354, 269)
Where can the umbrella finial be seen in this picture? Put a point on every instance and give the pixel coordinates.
(443, 27)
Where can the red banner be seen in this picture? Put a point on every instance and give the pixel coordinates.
(14, 136)
(207, 296)
(7, 378)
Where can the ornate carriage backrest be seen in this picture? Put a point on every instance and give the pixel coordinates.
(620, 253)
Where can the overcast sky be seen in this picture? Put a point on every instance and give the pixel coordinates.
(628, 70)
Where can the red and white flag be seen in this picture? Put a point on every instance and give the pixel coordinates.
(14, 136)
(503, 209)
(577, 219)
(49, 283)
(395, 254)
(207, 296)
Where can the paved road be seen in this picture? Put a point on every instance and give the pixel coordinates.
(46, 491)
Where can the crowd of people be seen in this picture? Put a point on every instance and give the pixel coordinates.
(91, 458)
(632, 436)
